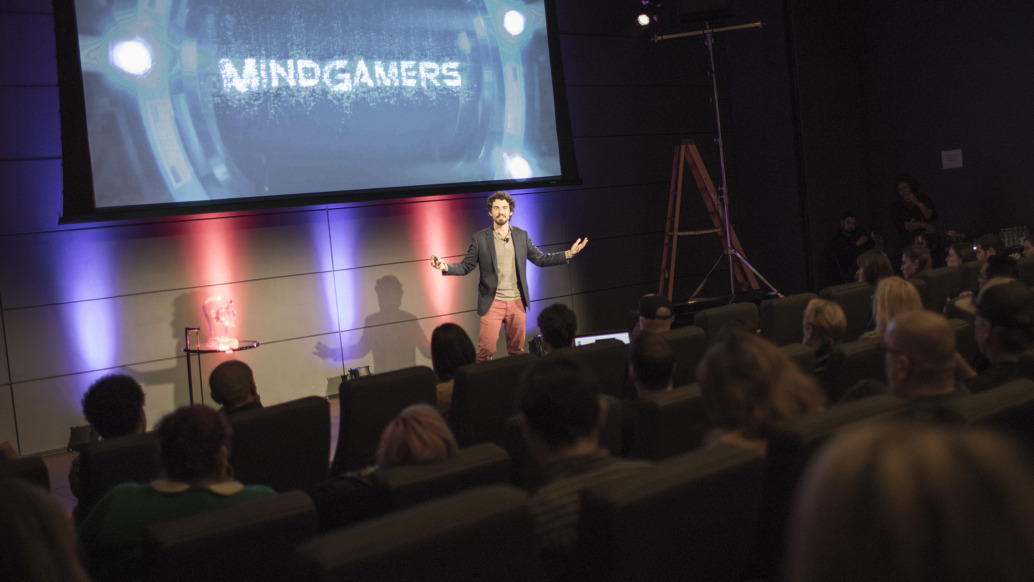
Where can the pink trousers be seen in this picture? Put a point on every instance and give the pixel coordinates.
(508, 313)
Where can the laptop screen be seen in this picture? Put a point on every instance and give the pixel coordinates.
(588, 339)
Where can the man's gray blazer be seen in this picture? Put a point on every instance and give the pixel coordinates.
(482, 254)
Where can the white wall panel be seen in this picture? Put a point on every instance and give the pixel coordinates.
(77, 337)
(384, 294)
(96, 263)
(47, 408)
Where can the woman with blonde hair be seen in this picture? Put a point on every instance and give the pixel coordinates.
(907, 502)
(824, 326)
(893, 295)
(748, 384)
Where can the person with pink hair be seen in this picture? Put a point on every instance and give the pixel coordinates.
(418, 435)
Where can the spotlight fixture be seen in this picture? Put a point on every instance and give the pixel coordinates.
(649, 15)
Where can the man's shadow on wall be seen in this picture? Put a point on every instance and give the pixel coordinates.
(392, 335)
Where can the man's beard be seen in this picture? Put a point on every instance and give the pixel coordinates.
(501, 220)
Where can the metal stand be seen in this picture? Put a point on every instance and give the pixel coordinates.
(197, 350)
(732, 251)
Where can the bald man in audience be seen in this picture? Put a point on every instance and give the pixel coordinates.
(233, 386)
(920, 358)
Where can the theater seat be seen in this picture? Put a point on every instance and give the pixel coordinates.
(369, 403)
(470, 467)
(607, 358)
(1008, 408)
(941, 284)
(484, 395)
(689, 344)
(791, 445)
(253, 542)
(666, 425)
(781, 318)
(31, 469)
(969, 276)
(286, 446)
(1025, 270)
(849, 363)
(712, 320)
(691, 517)
(104, 464)
(481, 534)
(856, 301)
(803, 355)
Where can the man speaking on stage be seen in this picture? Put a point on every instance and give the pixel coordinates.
(500, 253)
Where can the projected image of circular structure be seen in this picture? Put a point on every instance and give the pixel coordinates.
(201, 100)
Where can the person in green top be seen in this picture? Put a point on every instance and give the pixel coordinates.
(193, 453)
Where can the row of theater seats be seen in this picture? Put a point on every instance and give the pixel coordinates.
(717, 513)
(286, 446)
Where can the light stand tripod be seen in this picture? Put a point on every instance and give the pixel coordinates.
(731, 250)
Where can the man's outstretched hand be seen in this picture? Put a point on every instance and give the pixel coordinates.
(578, 246)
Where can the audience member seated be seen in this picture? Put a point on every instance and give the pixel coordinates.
(960, 252)
(114, 407)
(651, 367)
(418, 435)
(994, 267)
(37, 539)
(988, 246)
(560, 417)
(233, 387)
(914, 502)
(845, 246)
(748, 384)
(651, 364)
(558, 326)
(915, 259)
(920, 362)
(1028, 248)
(921, 358)
(1004, 329)
(893, 295)
(193, 453)
(824, 325)
(873, 266)
(655, 314)
(451, 348)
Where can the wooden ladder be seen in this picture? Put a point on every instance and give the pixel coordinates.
(687, 154)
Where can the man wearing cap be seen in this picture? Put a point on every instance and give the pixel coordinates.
(655, 313)
(1004, 329)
